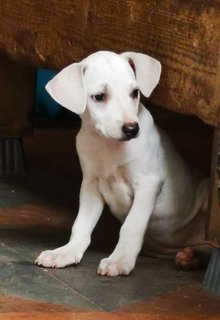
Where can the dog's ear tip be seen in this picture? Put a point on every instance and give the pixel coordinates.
(48, 87)
(80, 110)
(158, 68)
(50, 91)
(159, 65)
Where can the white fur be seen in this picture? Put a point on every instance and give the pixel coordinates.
(144, 181)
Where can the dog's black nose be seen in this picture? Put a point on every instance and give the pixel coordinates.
(130, 130)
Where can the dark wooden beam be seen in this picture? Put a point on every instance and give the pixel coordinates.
(183, 35)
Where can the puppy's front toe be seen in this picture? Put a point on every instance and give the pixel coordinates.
(47, 259)
(58, 258)
(112, 268)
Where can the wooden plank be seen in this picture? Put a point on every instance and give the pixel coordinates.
(213, 223)
(183, 35)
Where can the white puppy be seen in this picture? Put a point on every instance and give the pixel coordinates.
(127, 162)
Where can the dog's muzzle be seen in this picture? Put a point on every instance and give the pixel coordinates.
(130, 130)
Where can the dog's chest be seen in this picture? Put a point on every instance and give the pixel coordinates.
(108, 162)
(117, 192)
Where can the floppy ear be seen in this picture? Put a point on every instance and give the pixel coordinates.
(146, 69)
(67, 88)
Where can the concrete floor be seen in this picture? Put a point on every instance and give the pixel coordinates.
(36, 213)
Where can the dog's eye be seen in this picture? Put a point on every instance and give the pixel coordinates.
(99, 97)
(135, 93)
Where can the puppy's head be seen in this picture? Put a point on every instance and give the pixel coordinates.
(105, 90)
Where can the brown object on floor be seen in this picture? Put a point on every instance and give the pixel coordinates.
(180, 304)
(183, 35)
(189, 302)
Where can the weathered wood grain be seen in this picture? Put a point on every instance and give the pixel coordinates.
(213, 219)
(183, 35)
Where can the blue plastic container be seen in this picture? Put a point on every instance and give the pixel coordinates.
(45, 105)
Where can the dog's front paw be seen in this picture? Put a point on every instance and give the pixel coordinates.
(111, 268)
(58, 258)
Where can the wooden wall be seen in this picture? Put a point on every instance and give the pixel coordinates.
(183, 34)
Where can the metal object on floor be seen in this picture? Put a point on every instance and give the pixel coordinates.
(12, 161)
(211, 281)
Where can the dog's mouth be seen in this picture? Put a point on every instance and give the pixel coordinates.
(128, 138)
(124, 137)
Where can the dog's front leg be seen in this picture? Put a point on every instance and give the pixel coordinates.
(123, 258)
(91, 206)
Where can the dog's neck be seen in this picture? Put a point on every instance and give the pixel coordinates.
(87, 123)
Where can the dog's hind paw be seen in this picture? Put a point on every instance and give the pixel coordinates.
(193, 258)
(111, 268)
(58, 258)
(187, 259)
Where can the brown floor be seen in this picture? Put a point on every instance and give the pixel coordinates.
(36, 213)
